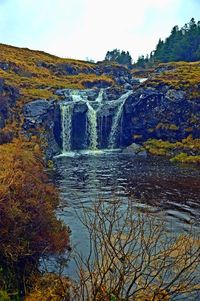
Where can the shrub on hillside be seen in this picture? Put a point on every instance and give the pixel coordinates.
(29, 229)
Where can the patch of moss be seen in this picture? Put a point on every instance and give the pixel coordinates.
(167, 126)
(185, 158)
(37, 93)
(185, 151)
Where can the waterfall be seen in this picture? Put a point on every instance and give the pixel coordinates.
(66, 116)
(76, 96)
(92, 127)
(101, 128)
(90, 120)
(116, 123)
(100, 96)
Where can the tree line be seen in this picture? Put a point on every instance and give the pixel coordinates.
(183, 44)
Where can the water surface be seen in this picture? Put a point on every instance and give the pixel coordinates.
(170, 191)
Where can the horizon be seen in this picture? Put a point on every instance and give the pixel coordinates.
(86, 29)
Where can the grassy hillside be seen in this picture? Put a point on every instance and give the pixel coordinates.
(38, 74)
(177, 75)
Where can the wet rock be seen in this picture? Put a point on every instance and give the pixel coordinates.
(4, 66)
(80, 108)
(134, 81)
(36, 108)
(97, 84)
(44, 114)
(175, 95)
(159, 113)
(111, 94)
(135, 149)
(128, 87)
(36, 112)
(2, 121)
(8, 97)
(90, 94)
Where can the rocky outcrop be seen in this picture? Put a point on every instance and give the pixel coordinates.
(44, 114)
(163, 113)
(120, 74)
(79, 122)
(8, 98)
(36, 113)
(96, 84)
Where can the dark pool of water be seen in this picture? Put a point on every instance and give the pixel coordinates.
(173, 190)
(170, 191)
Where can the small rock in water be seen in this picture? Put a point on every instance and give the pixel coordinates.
(135, 149)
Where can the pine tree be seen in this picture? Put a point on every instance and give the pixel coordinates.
(120, 57)
(182, 45)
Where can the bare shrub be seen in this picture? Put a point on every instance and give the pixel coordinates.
(133, 257)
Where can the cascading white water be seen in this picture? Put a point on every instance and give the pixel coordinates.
(66, 115)
(101, 127)
(76, 96)
(100, 96)
(116, 123)
(92, 127)
(94, 131)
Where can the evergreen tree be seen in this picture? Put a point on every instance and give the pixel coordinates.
(120, 57)
(182, 45)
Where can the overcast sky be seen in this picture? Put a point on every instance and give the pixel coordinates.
(88, 28)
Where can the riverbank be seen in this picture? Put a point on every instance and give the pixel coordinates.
(185, 151)
(29, 228)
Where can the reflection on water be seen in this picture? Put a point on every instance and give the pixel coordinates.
(169, 191)
(161, 186)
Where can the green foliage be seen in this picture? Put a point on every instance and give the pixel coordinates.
(4, 296)
(142, 61)
(120, 57)
(182, 45)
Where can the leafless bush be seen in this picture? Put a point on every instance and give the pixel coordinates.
(133, 257)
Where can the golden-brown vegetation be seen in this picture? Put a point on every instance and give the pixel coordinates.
(185, 151)
(178, 75)
(49, 287)
(29, 229)
(38, 74)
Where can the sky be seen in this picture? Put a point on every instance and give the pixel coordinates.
(87, 29)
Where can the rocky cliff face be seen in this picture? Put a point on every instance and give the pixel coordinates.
(8, 98)
(163, 113)
(42, 117)
(165, 107)
(147, 112)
